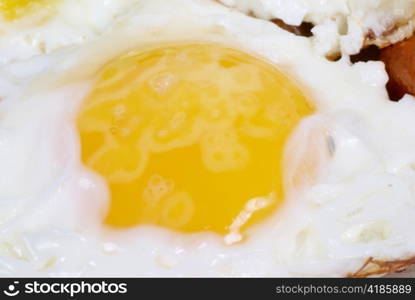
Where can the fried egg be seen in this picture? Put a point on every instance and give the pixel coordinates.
(201, 141)
(33, 27)
(341, 26)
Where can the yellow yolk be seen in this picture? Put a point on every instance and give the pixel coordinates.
(186, 135)
(15, 9)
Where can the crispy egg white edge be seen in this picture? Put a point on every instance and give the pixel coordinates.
(341, 26)
(366, 193)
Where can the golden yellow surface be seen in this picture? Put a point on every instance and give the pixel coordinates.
(15, 9)
(185, 135)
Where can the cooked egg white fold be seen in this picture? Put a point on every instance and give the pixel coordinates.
(342, 26)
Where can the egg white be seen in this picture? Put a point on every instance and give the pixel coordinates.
(341, 26)
(362, 204)
(64, 23)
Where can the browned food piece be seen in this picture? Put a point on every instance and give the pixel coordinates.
(375, 267)
(303, 30)
(400, 65)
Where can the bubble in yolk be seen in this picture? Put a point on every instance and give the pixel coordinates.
(187, 135)
(15, 9)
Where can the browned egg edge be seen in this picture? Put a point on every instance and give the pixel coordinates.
(378, 267)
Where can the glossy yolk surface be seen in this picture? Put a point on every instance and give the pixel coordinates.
(15, 9)
(186, 135)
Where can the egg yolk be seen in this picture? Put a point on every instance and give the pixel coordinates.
(186, 135)
(15, 9)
